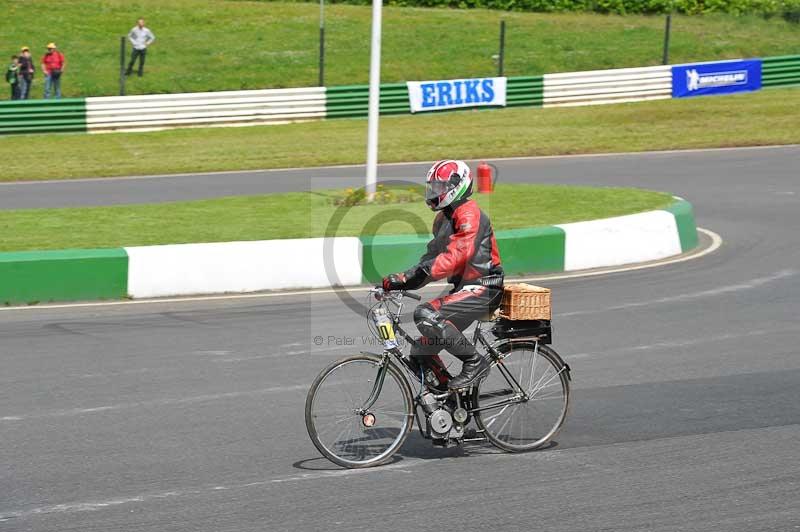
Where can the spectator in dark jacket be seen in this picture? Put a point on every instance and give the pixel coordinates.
(12, 77)
(53, 64)
(26, 71)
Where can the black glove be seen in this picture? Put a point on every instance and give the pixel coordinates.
(416, 277)
(395, 281)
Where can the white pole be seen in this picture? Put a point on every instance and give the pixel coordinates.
(374, 99)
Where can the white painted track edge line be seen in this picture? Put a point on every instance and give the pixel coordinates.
(716, 242)
(335, 167)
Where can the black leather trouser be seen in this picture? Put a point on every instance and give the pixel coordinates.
(442, 320)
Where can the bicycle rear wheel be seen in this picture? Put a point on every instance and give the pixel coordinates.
(523, 402)
(340, 424)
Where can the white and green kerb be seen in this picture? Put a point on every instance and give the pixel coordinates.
(238, 267)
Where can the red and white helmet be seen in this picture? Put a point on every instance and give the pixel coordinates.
(447, 181)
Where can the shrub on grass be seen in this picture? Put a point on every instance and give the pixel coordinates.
(789, 9)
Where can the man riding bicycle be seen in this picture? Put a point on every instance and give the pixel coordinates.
(464, 251)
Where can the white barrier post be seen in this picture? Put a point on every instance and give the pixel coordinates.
(374, 99)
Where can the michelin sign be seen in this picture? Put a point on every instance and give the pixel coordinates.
(454, 93)
(723, 77)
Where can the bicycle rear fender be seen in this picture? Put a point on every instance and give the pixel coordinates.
(506, 344)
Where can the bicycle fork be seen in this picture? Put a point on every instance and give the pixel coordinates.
(377, 387)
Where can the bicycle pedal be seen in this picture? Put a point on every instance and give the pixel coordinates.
(473, 435)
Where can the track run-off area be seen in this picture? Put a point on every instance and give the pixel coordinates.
(188, 415)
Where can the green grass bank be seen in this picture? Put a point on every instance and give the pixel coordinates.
(232, 45)
(767, 117)
(299, 215)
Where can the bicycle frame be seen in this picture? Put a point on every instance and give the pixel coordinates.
(478, 339)
(520, 394)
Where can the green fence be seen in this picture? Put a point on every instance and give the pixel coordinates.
(781, 71)
(525, 91)
(43, 116)
(352, 101)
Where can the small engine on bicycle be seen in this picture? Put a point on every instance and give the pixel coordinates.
(445, 418)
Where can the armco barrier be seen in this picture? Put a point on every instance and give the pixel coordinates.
(162, 111)
(187, 269)
(352, 101)
(607, 86)
(158, 111)
(43, 116)
(781, 71)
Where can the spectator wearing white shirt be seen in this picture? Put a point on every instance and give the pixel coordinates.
(140, 37)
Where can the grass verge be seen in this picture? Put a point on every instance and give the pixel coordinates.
(766, 117)
(298, 215)
(224, 45)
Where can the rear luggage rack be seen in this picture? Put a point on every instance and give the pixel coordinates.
(524, 329)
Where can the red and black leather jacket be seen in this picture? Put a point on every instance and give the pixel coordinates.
(463, 250)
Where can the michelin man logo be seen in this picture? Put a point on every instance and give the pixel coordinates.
(696, 81)
(692, 80)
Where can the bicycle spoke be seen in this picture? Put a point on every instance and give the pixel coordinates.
(553, 384)
(554, 395)
(533, 369)
(390, 412)
(494, 417)
(548, 381)
(335, 424)
(510, 417)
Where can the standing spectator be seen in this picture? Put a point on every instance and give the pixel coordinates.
(12, 77)
(140, 37)
(26, 71)
(53, 64)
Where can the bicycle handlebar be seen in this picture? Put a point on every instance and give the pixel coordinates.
(381, 291)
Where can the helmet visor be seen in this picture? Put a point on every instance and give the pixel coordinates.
(434, 189)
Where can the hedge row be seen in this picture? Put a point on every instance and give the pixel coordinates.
(789, 9)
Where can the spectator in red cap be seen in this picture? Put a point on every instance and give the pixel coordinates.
(53, 64)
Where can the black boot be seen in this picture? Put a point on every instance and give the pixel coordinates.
(474, 366)
(473, 369)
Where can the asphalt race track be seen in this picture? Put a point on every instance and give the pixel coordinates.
(189, 415)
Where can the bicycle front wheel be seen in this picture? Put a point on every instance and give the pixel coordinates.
(523, 402)
(344, 427)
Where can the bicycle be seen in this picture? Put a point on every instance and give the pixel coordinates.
(361, 408)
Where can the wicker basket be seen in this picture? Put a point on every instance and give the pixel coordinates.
(525, 302)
